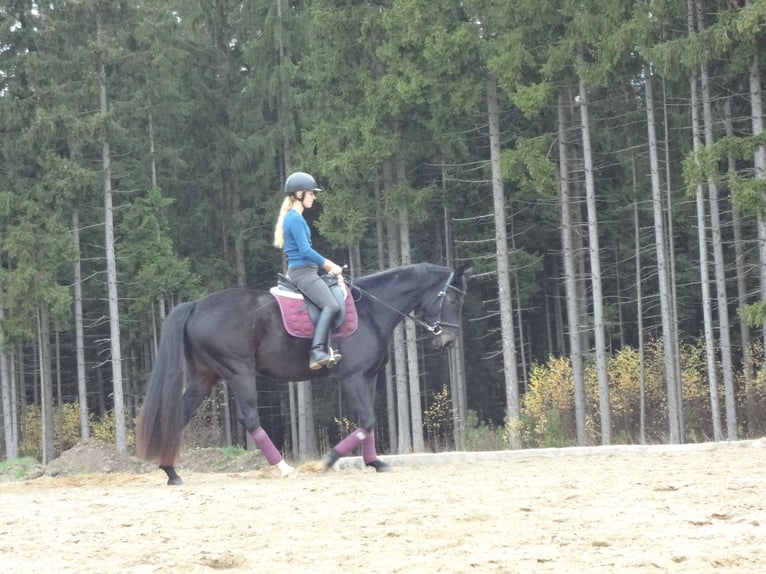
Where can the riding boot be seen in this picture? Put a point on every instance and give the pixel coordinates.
(319, 356)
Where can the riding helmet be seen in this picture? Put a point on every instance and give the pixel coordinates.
(300, 181)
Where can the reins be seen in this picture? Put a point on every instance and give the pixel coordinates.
(436, 328)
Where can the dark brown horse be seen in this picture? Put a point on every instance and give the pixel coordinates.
(233, 334)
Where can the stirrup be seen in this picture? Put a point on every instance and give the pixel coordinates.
(335, 358)
(318, 359)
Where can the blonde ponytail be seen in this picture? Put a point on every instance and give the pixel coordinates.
(279, 233)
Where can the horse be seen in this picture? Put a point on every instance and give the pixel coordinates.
(235, 333)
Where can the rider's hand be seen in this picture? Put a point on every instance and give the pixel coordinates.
(334, 269)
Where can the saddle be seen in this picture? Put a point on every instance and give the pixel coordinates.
(300, 314)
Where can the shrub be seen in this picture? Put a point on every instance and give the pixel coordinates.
(480, 436)
(438, 421)
(548, 406)
(66, 429)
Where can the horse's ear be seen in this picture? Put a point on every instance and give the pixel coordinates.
(464, 271)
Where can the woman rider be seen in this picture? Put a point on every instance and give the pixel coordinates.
(292, 234)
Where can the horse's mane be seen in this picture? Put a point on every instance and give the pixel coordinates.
(418, 269)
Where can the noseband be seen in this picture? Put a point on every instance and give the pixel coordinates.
(436, 328)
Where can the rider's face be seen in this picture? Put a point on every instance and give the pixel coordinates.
(308, 198)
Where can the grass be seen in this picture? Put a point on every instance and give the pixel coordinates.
(18, 469)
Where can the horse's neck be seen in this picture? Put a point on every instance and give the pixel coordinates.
(402, 290)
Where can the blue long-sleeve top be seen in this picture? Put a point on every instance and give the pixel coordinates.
(298, 241)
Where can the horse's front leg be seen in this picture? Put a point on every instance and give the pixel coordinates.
(370, 455)
(360, 395)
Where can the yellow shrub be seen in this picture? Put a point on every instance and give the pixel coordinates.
(66, 429)
(548, 405)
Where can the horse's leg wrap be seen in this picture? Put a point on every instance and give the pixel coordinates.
(370, 455)
(263, 442)
(345, 446)
(273, 456)
(352, 441)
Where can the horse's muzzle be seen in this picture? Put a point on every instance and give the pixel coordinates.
(444, 340)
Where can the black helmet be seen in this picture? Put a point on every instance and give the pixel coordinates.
(300, 181)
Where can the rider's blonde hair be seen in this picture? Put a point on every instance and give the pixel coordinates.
(279, 233)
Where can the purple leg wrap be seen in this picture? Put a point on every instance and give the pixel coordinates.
(263, 442)
(352, 441)
(369, 453)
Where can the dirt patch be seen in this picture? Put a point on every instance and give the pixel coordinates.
(676, 510)
(94, 456)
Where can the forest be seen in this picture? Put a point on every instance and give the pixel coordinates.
(600, 164)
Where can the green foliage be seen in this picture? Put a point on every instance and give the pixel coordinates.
(233, 451)
(148, 256)
(753, 314)
(18, 469)
(481, 436)
(545, 433)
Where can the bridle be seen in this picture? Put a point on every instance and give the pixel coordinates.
(436, 327)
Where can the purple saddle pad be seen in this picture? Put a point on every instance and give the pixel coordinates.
(296, 318)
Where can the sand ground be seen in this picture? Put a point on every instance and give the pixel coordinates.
(694, 509)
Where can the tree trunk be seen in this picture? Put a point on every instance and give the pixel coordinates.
(111, 270)
(595, 271)
(307, 437)
(510, 370)
(759, 164)
(662, 271)
(707, 311)
(455, 355)
(393, 434)
(720, 270)
(410, 329)
(570, 271)
(82, 388)
(404, 430)
(293, 407)
(742, 298)
(671, 259)
(46, 383)
(640, 319)
(7, 390)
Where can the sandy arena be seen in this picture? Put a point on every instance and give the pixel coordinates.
(695, 508)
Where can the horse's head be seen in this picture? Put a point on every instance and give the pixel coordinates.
(443, 312)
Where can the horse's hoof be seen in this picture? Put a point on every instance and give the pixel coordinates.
(288, 472)
(330, 460)
(379, 465)
(175, 481)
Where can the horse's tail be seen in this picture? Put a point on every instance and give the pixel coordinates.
(161, 420)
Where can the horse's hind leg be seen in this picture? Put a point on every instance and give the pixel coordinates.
(246, 397)
(197, 390)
